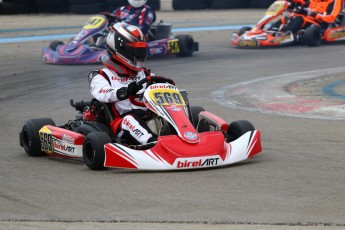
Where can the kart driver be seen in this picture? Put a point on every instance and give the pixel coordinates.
(117, 81)
(322, 11)
(137, 14)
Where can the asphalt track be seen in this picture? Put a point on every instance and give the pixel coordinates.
(297, 182)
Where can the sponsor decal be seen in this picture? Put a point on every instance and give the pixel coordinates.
(58, 145)
(105, 90)
(162, 86)
(136, 131)
(175, 109)
(198, 163)
(248, 43)
(190, 135)
(285, 38)
(337, 34)
(67, 138)
(156, 51)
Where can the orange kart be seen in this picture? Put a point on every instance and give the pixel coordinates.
(262, 35)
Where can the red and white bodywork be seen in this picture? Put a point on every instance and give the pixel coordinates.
(57, 141)
(188, 149)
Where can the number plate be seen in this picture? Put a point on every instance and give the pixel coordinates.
(94, 22)
(275, 8)
(166, 97)
(173, 46)
(46, 140)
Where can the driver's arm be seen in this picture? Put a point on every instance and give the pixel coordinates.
(332, 12)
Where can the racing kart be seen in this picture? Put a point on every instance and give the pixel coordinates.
(188, 136)
(88, 46)
(263, 35)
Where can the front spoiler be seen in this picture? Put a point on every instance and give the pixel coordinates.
(170, 153)
(270, 41)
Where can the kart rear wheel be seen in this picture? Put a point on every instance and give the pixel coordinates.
(30, 138)
(237, 128)
(243, 30)
(54, 44)
(312, 36)
(186, 45)
(93, 150)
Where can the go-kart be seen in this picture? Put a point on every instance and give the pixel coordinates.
(263, 35)
(88, 46)
(188, 136)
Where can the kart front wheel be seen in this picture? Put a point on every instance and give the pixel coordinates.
(93, 149)
(186, 44)
(30, 137)
(237, 128)
(54, 44)
(312, 36)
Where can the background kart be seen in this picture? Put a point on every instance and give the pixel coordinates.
(88, 46)
(188, 136)
(262, 35)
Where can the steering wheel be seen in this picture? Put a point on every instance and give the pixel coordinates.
(111, 17)
(150, 79)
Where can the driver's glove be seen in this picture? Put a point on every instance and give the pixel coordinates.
(131, 90)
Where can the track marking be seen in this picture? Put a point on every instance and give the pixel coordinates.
(6, 40)
(273, 95)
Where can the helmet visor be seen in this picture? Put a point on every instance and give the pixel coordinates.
(136, 50)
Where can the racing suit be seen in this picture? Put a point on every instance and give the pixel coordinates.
(322, 11)
(142, 17)
(326, 10)
(105, 85)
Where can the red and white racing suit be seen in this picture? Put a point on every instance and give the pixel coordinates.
(104, 84)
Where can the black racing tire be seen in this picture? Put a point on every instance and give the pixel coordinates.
(229, 4)
(186, 45)
(93, 150)
(261, 4)
(313, 36)
(237, 128)
(190, 4)
(30, 138)
(92, 8)
(54, 44)
(243, 30)
(194, 112)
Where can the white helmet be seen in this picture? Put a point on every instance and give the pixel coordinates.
(126, 44)
(137, 3)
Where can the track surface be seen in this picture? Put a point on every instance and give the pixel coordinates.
(298, 179)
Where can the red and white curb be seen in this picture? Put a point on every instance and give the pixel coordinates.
(295, 94)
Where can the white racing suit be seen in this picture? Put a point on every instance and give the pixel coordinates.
(104, 84)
